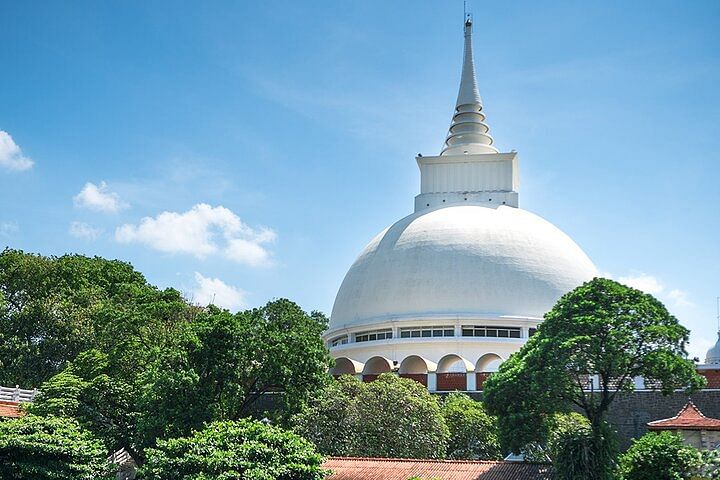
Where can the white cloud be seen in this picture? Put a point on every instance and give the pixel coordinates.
(217, 292)
(99, 198)
(11, 156)
(653, 286)
(642, 281)
(7, 229)
(202, 231)
(85, 231)
(679, 297)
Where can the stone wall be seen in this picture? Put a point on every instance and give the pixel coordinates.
(630, 412)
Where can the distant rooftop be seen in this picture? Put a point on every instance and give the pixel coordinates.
(350, 468)
(10, 409)
(688, 418)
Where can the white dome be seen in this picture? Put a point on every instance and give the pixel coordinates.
(461, 260)
(713, 355)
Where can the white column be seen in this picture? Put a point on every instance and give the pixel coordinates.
(471, 383)
(432, 381)
(358, 376)
(639, 383)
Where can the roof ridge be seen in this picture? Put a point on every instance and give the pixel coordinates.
(432, 460)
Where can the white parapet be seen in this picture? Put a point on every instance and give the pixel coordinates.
(489, 178)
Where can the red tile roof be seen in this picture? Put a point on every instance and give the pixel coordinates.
(10, 409)
(689, 418)
(403, 469)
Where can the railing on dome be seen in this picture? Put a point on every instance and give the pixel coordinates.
(17, 394)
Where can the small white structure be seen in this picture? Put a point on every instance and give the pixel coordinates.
(447, 293)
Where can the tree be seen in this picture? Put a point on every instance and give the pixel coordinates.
(238, 450)
(389, 417)
(223, 363)
(331, 420)
(53, 308)
(601, 328)
(659, 456)
(473, 433)
(89, 392)
(50, 448)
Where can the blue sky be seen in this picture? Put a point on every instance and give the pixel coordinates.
(266, 143)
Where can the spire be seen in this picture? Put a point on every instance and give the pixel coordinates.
(468, 132)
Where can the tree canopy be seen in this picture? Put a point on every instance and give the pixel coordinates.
(235, 450)
(54, 308)
(223, 363)
(473, 433)
(132, 363)
(50, 448)
(389, 417)
(601, 328)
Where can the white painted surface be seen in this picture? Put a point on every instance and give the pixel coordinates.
(713, 355)
(461, 260)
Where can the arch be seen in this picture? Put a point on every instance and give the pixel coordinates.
(452, 373)
(488, 363)
(346, 366)
(452, 363)
(375, 366)
(415, 364)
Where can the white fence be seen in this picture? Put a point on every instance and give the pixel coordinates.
(17, 394)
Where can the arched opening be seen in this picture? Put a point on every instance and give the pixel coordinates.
(345, 366)
(415, 368)
(452, 373)
(486, 365)
(375, 366)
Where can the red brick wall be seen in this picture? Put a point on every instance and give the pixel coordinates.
(480, 378)
(713, 377)
(447, 382)
(418, 377)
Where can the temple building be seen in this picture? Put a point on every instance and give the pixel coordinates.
(449, 292)
(696, 429)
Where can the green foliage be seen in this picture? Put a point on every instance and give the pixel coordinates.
(574, 449)
(390, 417)
(50, 448)
(659, 456)
(603, 328)
(709, 465)
(53, 308)
(473, 433)
(132, 363)
(232, 451)
(555, 427)
(88, 391)
(223, 363)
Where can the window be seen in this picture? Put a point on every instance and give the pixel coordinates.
(342, 340)
(374, 335)
(494, 332)
(427, 332)
(532, 331)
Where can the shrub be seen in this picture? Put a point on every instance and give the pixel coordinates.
(50, 448)
(226, 450)
(659, 456)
